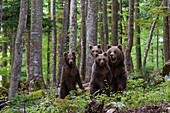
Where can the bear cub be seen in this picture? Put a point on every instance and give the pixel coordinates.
(118, 68)
(70, 75)
(100, 73)
(95, 50)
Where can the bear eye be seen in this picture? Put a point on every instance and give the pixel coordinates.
(93, 51)
(97, 51)
(114, 51)
(99, 59)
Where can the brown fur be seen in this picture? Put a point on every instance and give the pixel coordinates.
(100, 72)
(118, 68)
(70, 75)
(95, 50)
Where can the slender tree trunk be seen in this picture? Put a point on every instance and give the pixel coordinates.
(137, 36)
(54, 42)
(1, 2)
(129, 44)
(169, 24)
(157, 49)
(121, 29)
(36, 45)
(27, 44)
(64, 35)
(12, 48)
(149, 40)
(83, 40)
(16, 71)
(105, 25)
(91, 34)
(101, 23)
(59, 23)
(4, 54)
(73, 26)
(166, 33)
(115, 8)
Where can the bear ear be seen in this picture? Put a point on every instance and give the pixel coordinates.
(64, 54)
(99, 45)
(90, 47)
(105, 54)
(108, 46)
(120, 47)
(74, 53)
(96, 55)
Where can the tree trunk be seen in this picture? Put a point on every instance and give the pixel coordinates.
(91, 34)
(64, 35)
(105, 25)
(101, 23)
(83, 40)
(27, 44)
(36, 75)
(115, 8)
(121, 29)
(48, 48)
(169, 24)
(16, 71)
(137, 36)
(157, 49)
(59, 23)
(54, 42)
(129, 44)
(73, 26)
(1, 2)
(166, 33)
(149, 40)
(4, 54)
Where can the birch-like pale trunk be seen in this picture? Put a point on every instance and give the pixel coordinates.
(54, 42)
(73, 26)
(36, 74)
(16, 69)
(91, 35)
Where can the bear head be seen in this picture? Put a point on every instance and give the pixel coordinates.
(95, 50)
(115, 54)
(101, 59)
(70, 58)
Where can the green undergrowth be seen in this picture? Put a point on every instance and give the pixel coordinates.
(142, 91)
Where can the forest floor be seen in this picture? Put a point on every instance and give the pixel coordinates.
(146, 92)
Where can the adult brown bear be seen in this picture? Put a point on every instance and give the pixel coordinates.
(70, 75)
(118, 68)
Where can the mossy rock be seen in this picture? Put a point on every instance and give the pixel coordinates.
(65, 105)
(39, 93)
(39, 85)
(166, 68)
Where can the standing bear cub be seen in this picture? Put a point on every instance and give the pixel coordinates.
(70, 75)
(118, 68)
(100, 73)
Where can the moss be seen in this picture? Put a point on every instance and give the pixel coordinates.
(38, 85)
(63, 105)
(39, 93)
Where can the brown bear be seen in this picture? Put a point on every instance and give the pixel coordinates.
(70, 75)
(118, 68)
(95, 50)
(100, 73)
